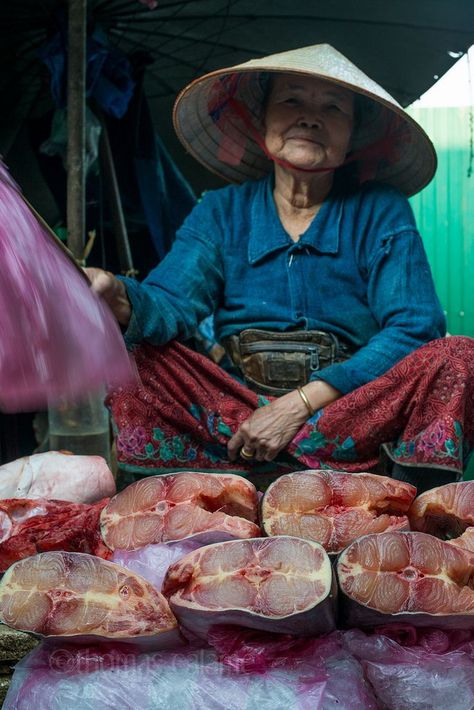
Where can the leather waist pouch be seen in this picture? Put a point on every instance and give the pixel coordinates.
(275, 363)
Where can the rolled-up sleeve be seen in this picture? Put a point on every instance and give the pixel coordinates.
(182, 290)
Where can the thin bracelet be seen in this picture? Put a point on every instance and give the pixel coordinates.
(306, 401)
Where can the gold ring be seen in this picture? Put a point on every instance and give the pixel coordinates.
(246, 454)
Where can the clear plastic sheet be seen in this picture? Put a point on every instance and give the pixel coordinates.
(249, 670)
(434, 671)
(319, 662)
(58, 338)
(319, 675)
(152, 561)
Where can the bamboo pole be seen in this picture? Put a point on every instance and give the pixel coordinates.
(76, 119)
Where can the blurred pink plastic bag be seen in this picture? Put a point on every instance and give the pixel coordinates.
(434, 672)
(57, 337)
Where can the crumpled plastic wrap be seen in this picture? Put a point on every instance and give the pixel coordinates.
(152, 561)
(319, 675)
(58, 338)
(434, 671)
(333, 676)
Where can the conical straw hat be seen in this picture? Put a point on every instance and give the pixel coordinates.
(389, 145)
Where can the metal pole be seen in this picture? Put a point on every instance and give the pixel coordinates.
(76, 119)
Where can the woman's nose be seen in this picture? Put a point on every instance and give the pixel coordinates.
(310, 121)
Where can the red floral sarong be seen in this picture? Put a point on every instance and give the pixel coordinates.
(421, 412)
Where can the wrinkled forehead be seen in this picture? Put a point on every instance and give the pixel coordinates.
(309, 85)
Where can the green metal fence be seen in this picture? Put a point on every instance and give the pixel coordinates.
(444, 211)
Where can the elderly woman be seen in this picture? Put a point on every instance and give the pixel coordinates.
(318, 282)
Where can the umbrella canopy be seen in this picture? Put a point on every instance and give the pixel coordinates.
(405, 46)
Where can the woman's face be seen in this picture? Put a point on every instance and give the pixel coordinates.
(308, 122)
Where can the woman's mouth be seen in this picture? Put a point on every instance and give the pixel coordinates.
(304, 138)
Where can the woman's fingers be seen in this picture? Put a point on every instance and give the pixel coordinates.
(249, 447)
(102, 282)
(235, 444)
(262, 454)
(246, 447)
(113, 291)
(268, 430)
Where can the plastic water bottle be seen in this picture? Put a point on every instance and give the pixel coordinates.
(80, 426)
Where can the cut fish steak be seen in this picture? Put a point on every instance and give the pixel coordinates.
(466, 540)
(206, 506)
(281, 584)
(57, 475)
(31, 526)
(74, 595)
(407, 576)
(335, 508)
(445, 511)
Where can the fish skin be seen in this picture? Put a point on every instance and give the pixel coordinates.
(57, 475)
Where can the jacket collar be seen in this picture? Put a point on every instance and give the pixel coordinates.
(267, 234)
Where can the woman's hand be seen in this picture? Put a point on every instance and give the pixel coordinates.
(113, 291)
(271, 428)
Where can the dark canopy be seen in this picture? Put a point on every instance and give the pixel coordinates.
(405, 45)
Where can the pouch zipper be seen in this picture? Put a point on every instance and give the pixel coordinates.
(311, 350)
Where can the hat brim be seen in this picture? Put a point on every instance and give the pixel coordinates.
(228, 150)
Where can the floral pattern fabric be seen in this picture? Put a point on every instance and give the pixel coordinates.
(186, 409)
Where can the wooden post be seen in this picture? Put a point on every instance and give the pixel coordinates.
(81, 426)
(76, 119)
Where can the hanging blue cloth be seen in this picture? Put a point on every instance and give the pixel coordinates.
(154, 192)
(109, 72)
(166, 196)
(150, 182)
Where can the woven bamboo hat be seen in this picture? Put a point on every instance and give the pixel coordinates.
(217, 118)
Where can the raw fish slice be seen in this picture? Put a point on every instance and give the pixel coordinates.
(57, 475)
(31, 526)
(335, 508)
(409, 577)
(465, 541)
(187, 521)
(445, 511)
(66, 594)
(282, 584)
(210, 507)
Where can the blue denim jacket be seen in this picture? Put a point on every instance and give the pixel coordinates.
(358, 271)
